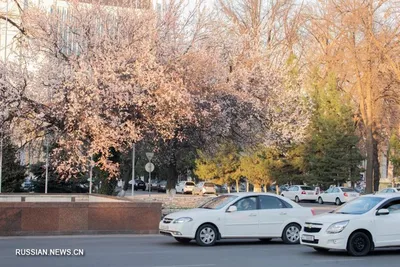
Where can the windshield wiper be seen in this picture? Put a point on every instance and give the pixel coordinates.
(342, 212)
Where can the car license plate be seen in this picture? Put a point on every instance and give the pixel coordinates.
(311, 193)
(164, 227)
(353, 195)
(307, 237)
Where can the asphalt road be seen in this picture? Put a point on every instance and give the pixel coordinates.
(160, 251)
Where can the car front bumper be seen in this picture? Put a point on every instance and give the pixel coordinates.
(324, 240)
(185, 230)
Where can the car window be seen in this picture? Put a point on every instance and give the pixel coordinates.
(359, 206)
(307, 188)
(336, 190)
(269, 202)
(346, 189)
(328, 191)
(208, 184)
(189, 183)
(393, 206)
(218, 202)
(247, 203)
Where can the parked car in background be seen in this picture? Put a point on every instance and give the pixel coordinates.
(238, 215)
(389, 190)
(338, 195)
(162, 186)
(301, 192)
(154, 185)
(140, 185)
(359, 226)
(184, 187)
(203, 188)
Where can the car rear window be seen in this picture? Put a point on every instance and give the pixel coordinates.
(348, 189)
(307, 188)
(208, 184)
(189, 183)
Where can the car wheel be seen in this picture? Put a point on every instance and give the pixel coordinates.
(338, 202)
(206, 235)
(297, 199)
(183, 240)
(320, 201)
(265, 240)
(321, 249)
(291, 234)
(359, 244)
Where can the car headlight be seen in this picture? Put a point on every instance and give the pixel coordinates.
(337, 227)
(183, 220)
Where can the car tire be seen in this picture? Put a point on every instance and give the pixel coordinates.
(265, 240)
(297, 199)
(321, 249)
(320, 201)
(359, 244)
(338, 202)
(183, 240)
(291, 234)
(206, 235)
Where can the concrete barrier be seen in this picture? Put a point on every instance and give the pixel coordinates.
(79, 215)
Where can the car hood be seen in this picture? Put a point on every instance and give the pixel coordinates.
(189, 213)
(331, 218)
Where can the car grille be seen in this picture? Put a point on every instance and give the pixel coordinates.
(312, 227)
(167, 220)
(312, 230)
(311, 242)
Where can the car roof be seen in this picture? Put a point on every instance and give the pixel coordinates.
(243, 194)
(384, 196)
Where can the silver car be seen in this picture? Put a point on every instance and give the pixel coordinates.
(203, 188)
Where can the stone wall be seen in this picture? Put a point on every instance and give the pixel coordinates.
(173, 203)
(55, 218)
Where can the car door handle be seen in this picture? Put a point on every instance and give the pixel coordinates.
(283, 213)
(253, 215)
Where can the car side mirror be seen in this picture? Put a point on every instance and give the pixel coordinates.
(232, 209)
(382, 212)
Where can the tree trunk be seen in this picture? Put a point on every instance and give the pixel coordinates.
(257, 188)
(376, 166)
(237, 186)
(247, 186)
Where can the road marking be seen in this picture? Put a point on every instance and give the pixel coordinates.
(194, 265)
(337, 260)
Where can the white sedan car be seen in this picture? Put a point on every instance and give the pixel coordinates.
(338, 195)
(359, 226)
(184, 187)
(240, 215)
(389, 190)
(301, 192)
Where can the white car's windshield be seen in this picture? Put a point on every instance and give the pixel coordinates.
(218, 202)
(359, 206)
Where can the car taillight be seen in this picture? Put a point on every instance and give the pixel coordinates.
(313, 212)
(303, 192)
(345, 194)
